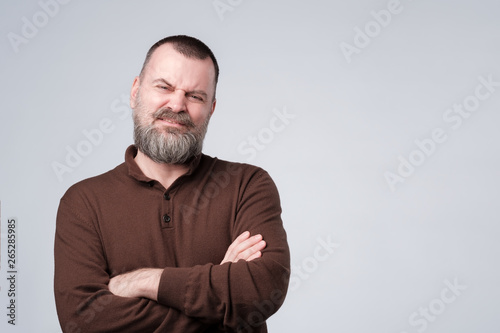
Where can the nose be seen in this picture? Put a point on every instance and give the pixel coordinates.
(177, 101)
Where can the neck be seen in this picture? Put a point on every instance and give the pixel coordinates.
(166, 174)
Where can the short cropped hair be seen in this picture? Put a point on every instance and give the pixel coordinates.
(187, 46)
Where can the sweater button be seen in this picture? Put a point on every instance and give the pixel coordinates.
(166, 196)
(166, 218)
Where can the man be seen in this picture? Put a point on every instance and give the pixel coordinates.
(171, 240)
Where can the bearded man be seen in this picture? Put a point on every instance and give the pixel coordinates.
(171, 240)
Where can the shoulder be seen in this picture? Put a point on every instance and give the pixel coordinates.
(97, 185)
(236, 169)
(243, 175)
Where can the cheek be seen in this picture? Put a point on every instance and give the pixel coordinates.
(142, 117)
(200, 116)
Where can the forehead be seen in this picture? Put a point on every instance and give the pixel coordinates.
(167, 63)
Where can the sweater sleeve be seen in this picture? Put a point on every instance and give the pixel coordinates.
(83, 300)
(237, 296)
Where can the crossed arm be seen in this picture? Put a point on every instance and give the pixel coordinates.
(144, 282)
(90, 298)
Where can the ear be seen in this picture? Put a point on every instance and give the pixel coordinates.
(134, 91)
(213, 107)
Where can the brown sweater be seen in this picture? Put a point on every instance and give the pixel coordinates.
(121, 221)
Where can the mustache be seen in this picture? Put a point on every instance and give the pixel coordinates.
(179, 117)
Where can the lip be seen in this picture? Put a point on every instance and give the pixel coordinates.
(171, 122)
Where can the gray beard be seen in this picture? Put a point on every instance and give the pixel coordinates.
(172, 146)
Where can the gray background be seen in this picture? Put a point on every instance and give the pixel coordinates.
(351, 120)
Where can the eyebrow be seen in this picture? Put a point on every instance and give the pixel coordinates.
(195, 92)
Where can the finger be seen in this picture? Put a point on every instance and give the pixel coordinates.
(256, 255)
(259, 246)
(249, 253)
(246, 245)
(231, 254)
(244, 235)
(256, 251)
(241, 244)
(241, 238)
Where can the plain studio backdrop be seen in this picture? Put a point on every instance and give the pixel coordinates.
(378, 121)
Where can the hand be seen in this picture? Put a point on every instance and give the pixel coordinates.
(143, 282)
(244, 247)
